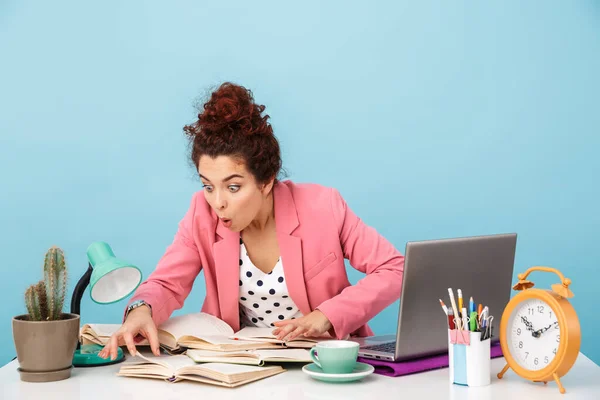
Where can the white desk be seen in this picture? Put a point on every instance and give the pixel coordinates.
(100, 383)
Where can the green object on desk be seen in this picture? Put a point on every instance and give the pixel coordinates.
(473, 321)
(110, 280)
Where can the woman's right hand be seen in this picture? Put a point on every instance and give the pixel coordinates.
(139, 321)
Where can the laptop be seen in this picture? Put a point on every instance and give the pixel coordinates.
(481, 266)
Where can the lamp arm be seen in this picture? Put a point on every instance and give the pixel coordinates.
(83, 283)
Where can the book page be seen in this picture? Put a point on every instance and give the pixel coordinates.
(266, 334)
(231, 369)
(173, 363)
(290, 354)
(102, 330)
(200, 325)
(214, 353)
(255, 333)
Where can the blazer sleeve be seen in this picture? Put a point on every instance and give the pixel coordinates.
(171, 282)
(369, 253)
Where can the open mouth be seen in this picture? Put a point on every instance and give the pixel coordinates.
(226, 222)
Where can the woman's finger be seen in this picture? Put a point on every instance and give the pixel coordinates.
(285, 331)
(152, 335)
(128, 337)
(110, 345)
(295, 333)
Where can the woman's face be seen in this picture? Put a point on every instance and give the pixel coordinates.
(231, 190)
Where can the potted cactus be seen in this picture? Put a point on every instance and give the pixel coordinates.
(45, 338)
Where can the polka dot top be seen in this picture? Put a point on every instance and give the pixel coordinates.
(263, 298)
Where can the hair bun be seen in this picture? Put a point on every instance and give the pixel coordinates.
(231, 108)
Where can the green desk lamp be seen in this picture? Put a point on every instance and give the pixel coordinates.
(110, 280)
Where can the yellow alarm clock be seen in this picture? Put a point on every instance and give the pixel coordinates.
(540, 334)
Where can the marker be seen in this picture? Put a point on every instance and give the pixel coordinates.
(479, 309)
(460, 299)
(451, 320)
(473, 321)
(444, 307)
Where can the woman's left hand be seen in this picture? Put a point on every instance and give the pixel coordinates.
(313, 324)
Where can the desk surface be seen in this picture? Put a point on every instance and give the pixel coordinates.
(101, 383)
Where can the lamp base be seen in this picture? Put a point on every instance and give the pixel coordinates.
(87, 356)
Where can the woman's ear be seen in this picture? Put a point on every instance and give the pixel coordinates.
(267, 187)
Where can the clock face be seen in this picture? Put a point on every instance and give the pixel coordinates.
(533, 334)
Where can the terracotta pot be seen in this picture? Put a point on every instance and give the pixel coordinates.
(45, 348)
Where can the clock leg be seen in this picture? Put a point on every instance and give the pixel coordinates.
(501, 374)
(560, 386)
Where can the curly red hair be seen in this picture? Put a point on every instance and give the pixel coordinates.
(230, 123)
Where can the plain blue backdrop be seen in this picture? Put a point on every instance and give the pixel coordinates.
(433, 119)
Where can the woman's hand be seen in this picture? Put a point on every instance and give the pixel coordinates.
(313, 324)
(139, 321)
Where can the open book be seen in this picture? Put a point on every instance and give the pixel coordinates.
(179, 367)
(265, 335)
(250, 357)
(200, 331)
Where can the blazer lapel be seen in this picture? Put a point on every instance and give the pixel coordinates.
(286, 221)
(227, 257)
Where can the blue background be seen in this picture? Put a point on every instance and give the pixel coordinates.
(433, 119)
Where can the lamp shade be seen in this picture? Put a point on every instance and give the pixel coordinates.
(112, 279)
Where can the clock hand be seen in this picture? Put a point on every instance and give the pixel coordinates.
(539, 332)
(529, 325)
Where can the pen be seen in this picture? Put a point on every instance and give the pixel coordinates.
(444, 307)
(452, 302)
(451, 320)
(460, 299)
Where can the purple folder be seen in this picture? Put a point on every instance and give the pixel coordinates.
(389, 368)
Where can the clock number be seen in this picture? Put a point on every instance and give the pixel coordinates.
(518, 331)
(540, 309)
(535, 361)
(558, 338)
(550, 313)
(520, 345)
(526, 354)
(546, 360)
(554, 351)
(530, 310)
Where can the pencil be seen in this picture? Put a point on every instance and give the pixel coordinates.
(452, 302)
(460, 299)
(444, 307)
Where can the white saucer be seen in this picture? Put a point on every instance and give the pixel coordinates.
(360, 371)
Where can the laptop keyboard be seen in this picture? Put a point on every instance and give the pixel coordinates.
(389, 347)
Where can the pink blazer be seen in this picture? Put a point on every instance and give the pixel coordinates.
(316, 231)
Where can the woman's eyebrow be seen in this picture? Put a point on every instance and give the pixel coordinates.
(224, 180)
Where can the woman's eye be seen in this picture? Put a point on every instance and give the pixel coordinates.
(207, 188)
(234, 188)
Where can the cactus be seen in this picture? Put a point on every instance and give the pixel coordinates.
(55, 277)
(33, 304)
(45, 300)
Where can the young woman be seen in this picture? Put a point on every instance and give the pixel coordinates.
(272, 251)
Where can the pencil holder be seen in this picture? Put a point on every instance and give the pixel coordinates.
(468, 358)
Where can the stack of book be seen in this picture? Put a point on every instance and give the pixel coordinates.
(205, 349)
